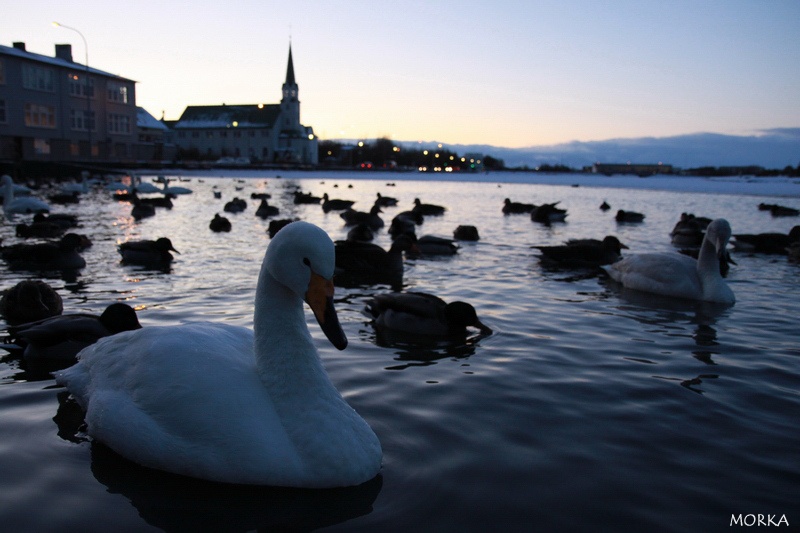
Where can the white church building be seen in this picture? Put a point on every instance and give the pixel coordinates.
(264, 133)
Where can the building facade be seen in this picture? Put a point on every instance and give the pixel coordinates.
(54, 109)
(260, 133)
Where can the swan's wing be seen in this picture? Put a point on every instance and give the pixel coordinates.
(185, 399)
(670, 274)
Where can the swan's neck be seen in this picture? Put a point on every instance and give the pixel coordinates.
(708, 261)
(286, 358)
(713, 285)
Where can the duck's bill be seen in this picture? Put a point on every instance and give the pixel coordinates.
(320, 298)
(484, 329)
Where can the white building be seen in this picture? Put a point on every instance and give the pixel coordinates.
(265, 133)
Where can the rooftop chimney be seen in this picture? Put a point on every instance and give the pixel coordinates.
(64, 51)
(19, 45)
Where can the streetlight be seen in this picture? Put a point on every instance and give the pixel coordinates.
(88, 119)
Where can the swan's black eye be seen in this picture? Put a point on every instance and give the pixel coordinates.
(306, 261)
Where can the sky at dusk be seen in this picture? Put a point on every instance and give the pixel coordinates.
(497, 72)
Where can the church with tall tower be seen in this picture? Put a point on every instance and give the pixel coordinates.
(260, 133)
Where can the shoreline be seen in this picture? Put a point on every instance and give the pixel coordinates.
(779, 186)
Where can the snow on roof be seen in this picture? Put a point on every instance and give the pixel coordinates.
(148, 121)
(55, 61)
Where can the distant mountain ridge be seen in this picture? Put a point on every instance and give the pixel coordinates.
(774, 148)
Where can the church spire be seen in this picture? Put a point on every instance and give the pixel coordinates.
(290, 69)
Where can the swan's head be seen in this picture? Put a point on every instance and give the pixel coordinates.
(302, 257)
(719, 233)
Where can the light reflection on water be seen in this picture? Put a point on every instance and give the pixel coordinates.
(591, 407)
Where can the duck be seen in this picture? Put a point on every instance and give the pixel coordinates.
(219, 224)
(147, 252)
(583, 253)
(306, 198)
(372, 218)
(63, 198)
(510, 208)
(435, 245)
(16, 206)
(766, 243)
(466, 233)
(360, 232)
(141, 209)
(265, 210)
(335, 204)
(548, 213)
(276, 225)
(385, 201)
(237, 205)
(224, 403)
(159, 201)
(428, 209)
(793, 252)
(65, 220)
(420, 313)
(604, 206)
(29, 300)
(53, 255)
(404, 224)
(688, 231)
(628, 216)
(53, 343)
(41, 230)
(365, 263)
(677, 275)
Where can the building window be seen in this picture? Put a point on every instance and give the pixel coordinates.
(3, 117)
(80, 85)
(237, 134)
(195, 135)
(37, 78)
(40, 116)
(118, 93)
(181, 135)
(41, 146)
(251, 133)
(223, 134)
(2, 73)
(119, 124)
(80, 119)
(209, 135)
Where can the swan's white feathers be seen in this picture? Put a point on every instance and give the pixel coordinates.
(218, 402)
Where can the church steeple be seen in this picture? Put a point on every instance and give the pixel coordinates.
(290, 103)
(290, 69)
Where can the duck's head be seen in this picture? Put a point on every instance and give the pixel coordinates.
(302, 257)
(165, 245)
(462, 314)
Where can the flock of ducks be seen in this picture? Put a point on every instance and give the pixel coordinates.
(278, 420)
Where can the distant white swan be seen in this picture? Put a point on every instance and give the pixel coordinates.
(167, 189)
(225, 403)
(680, 276)
(14, 206)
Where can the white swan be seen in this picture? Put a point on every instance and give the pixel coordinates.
(225, 403)
(680, 276)
(12, 206)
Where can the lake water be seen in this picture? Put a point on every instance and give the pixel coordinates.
(588, 409)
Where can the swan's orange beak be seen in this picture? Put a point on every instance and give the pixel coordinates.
(319, 297)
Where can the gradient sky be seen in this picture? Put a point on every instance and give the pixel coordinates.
(499, 72)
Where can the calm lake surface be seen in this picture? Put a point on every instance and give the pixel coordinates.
(589, 409)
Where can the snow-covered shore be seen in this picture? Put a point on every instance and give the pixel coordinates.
(745, 185)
